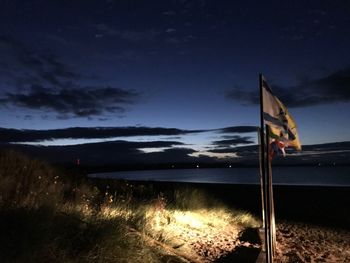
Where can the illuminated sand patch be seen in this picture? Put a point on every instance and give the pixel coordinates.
(204, 234)
(197, 234)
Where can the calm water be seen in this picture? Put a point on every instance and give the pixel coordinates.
(327, 176)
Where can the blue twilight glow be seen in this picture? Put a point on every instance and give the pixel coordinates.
(191, 65)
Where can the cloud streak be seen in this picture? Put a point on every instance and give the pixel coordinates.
(112, 153)
(73, 102)
(333, 88)
(15, 135)
(229, 143)
(234, 140)
(239, 129)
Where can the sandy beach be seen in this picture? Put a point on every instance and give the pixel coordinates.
(301, 242)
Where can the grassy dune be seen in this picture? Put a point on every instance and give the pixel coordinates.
(51, 215)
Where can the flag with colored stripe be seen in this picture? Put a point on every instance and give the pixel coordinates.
(282, 127)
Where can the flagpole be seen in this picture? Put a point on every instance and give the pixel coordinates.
(261, 182)
(271, 201)
(269, 195)
(263, 157)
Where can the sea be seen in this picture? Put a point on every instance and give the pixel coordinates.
(282, 175)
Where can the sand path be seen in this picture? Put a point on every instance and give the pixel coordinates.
(307, 243)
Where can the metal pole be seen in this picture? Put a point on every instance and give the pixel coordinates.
(268, 193)
(273, 220)
(272, 205)
(261, 181)
(263, 172)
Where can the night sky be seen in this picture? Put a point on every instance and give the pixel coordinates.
(180, 74)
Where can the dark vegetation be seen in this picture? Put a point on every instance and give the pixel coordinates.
(51, 215)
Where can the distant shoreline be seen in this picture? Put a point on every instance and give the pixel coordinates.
(285, 176)
(117, 168)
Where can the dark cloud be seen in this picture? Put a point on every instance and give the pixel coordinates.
(337, 146)
(246, 151)
(140, 145)
(239, 129)
(23, 67)
(45, 83)
(130, 153)
(228, 143)
(333, 88)
(14, 135)
(73, 102)
(111, 153)
(17, 135)
(234, 140)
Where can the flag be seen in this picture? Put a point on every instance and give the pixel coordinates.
(282, 127)
(276, 148)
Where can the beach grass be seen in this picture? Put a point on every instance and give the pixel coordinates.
(50, 215)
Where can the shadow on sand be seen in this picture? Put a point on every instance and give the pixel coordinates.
(244, 254)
